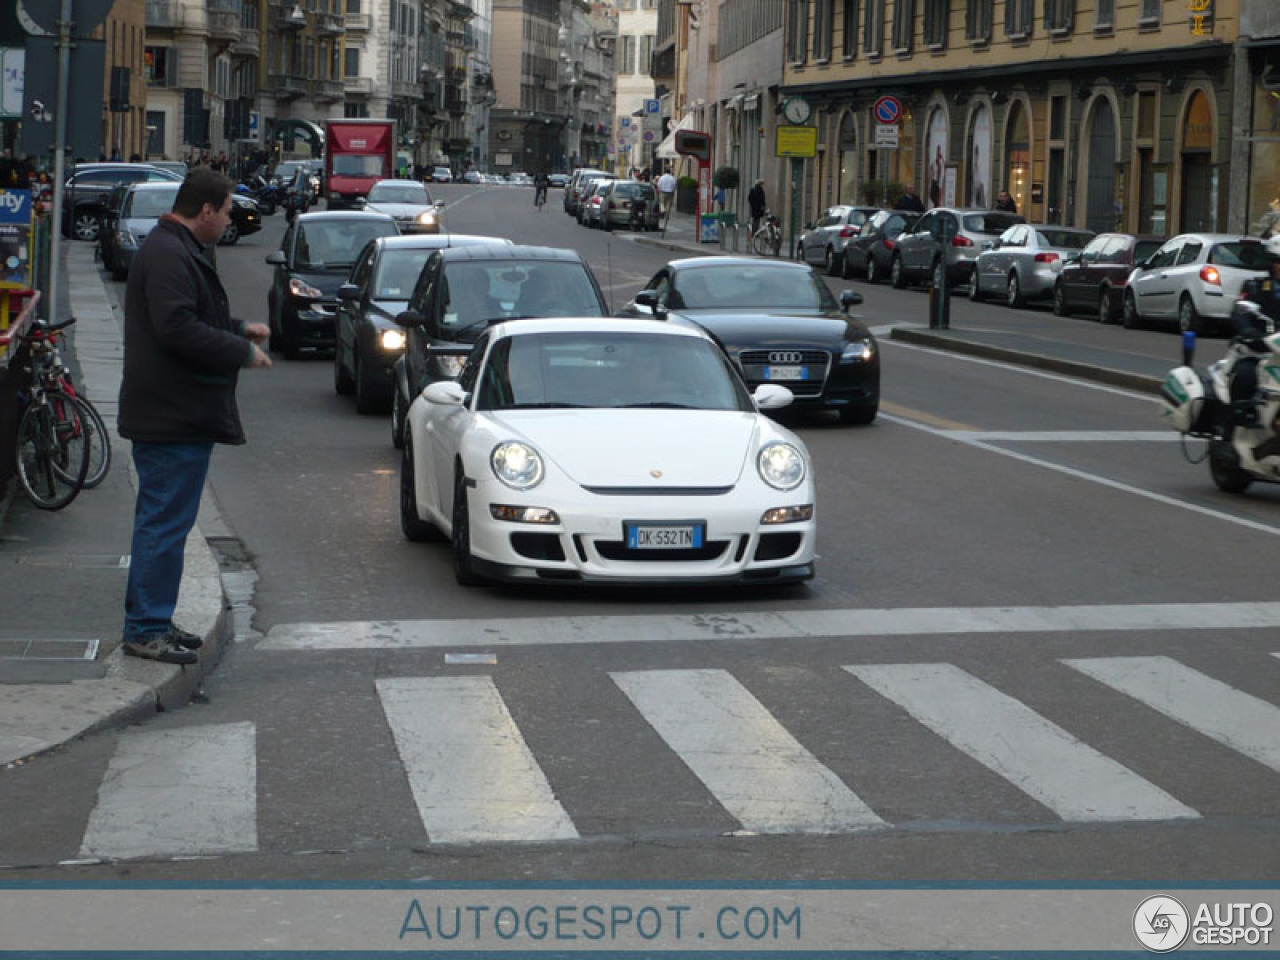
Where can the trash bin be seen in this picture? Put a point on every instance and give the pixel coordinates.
(710, 227)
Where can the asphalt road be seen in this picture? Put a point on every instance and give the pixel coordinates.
(995, 676)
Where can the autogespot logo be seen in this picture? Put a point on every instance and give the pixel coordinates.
(1161, 923)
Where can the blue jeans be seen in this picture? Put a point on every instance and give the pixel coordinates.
(170, 478)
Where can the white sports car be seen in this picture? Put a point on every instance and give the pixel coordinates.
(607, 450)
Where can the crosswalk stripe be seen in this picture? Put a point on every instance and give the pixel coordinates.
(1233, 718)
(473, 777)
(766, 624)
(757, 771)
(178, 793)
(1038, 757)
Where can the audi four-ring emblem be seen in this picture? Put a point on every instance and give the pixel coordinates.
(785, 356)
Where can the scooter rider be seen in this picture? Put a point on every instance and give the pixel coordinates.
(1251, 323)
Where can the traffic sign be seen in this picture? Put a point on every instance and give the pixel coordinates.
(648, 136)
(886, 136)
(626, 122)
(887, 110)
(651, 106)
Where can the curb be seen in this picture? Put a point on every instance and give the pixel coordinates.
(1085, 371)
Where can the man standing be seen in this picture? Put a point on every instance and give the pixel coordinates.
(910, 201)
(756, 203)
(182, 357)
(1006, 203)
(667, 191)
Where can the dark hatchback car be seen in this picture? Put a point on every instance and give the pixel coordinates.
(779, 323)
(1094, 280)
(870, 254)
(314, 259)
(124, 228)
(462, 290)
(367, 340)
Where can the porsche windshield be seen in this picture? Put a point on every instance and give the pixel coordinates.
(610, 370)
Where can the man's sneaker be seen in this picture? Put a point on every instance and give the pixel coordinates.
(159, 647)
(184, 639)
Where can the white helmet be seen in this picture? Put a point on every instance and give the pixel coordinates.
(1272, 246)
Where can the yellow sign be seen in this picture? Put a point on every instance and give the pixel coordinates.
(796, 142)
(1201, 16)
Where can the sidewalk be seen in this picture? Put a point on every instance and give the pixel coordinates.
(62, 574)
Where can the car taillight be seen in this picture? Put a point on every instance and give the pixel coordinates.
(848, 232)
(1211, 275)
(1046, 258)
(888, 244)
(960, 241)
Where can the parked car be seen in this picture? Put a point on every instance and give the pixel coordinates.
(367, 341)
(472, 176)
(560, 180)
(617, 198)
(441, 175)
(1023, 262)
(520, 179)
(463, 290)
(823, 241)
(314, 259)
(589, 204)
(779, 323)
(869, 254)
(1094, 280)
(577, 186)
(88, 193)
(173, 166)
(946, 236)
(123, 229)
(407, 202)
(524, 492)
(1195, 279)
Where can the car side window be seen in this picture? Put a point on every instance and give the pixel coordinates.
(1166, 254)
(661, 287)
(362, 269)
(421, 295)
(471, 369)
(893, 226)
(924, 224)
(1190, 252)
(1095, 250)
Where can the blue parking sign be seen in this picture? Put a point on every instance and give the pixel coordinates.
(651, 106)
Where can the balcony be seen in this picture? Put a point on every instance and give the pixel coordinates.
(247, 46)
(164, 14)
(406, 90)
(288, 86)
(283, 15)
(362, 86)
(224, 25)
(359, 22)
(328, 90)
(330, 24)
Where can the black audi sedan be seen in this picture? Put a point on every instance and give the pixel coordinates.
(779, 323)
(314, 259)
(367, 341)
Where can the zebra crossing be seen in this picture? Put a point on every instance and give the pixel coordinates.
(475, 780)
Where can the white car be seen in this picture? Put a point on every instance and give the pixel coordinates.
(408, 203)
(609, 451)
(1194, 279)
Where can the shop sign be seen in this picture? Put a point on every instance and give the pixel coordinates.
(1201, 17)
(796, 142)
(15, 238)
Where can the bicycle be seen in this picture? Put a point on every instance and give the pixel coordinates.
(767, 240)
(539, 197)
(58, 377)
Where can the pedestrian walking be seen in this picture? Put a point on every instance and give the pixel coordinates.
(183, 352)
(910, 201)
(1006, 203)
(667, 191)
(757, 204)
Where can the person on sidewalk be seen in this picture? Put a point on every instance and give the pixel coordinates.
(910, 201)
(182, 357)
(1006, 203)
(756, 203)
(667, 191)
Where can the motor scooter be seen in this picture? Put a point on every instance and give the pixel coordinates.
(1244, 437)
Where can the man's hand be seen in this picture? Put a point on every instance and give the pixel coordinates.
(259, 357)
(257, 332)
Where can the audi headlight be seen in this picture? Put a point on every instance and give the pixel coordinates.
(427, 217)
(781, 466)
(858, 351)
(517, 465)
(300, 288)
(392, 340)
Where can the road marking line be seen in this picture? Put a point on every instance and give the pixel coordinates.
(767, 625)
(940, 422)
(1070, 436)
(178, 792)
(756, 770)
(473, 777)
(1038, 757)
(1090, 477)
(1236, 719)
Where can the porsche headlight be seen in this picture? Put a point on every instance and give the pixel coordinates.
(300, 288)
(517, 465)
(392, 340)
(858, 351)
(781, 466)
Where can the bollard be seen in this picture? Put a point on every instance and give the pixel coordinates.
(940, 299)
(1188, 347)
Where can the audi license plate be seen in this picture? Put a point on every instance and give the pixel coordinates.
(664, 536)
(786, 373)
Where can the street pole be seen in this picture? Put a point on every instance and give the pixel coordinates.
(59, 157)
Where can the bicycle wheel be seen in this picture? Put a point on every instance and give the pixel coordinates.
(99, 443)
(760, 244)
(51, 458)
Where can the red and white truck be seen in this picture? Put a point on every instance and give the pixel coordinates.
(357, 154)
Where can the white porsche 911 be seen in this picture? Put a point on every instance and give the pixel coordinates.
(610, 451)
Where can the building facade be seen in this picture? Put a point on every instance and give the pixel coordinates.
(634, 86)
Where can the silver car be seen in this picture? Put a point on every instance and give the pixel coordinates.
(408, 203)
(1024, 262)
(946, 237)
(824, 240)
(1194, 278)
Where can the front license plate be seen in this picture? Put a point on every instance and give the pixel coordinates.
(786, 373)
(681, 536)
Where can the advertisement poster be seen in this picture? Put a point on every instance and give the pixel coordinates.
(15, 238)
(980, 160)
(935, 156)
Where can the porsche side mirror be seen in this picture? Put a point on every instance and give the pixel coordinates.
(447, 393)
(771, 396)
(410, 318)
(276, 258)
(349, 291)
(648, 300)
(850, 298)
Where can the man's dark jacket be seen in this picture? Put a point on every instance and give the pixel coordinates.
(910, 203)
(755, 199)
(182, 350)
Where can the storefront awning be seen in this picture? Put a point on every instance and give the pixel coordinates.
(667, 148)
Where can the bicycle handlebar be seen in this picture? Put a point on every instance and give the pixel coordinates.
(41, 330)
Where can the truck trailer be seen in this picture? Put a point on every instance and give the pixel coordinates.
(357, 154)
